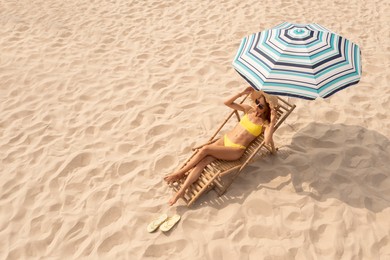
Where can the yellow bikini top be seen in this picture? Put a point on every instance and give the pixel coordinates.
(251, 127)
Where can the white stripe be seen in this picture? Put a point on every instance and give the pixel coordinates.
(290, 90)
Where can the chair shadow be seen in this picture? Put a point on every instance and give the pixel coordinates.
(344, 162)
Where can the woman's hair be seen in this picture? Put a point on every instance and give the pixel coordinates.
(267, 110)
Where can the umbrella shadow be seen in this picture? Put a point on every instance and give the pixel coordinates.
(324, 161)
(344, 162)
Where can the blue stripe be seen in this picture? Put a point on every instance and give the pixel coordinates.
(244, 69)
(259, 62)
(313, 66)
(341, 88)
(339, 64)
(290, 86)
(294, 95)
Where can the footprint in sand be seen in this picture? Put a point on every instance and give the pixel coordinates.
(110, 242)
(110, 216)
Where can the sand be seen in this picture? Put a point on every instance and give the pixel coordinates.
(100, 99)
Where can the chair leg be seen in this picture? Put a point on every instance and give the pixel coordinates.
(202, 190)
(226, 184)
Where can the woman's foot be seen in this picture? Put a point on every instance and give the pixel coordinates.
(173, 177)
(174, 199)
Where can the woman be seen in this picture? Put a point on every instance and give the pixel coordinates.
(259, 117)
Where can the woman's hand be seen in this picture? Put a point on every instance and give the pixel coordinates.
(241, 107)
(247, 91)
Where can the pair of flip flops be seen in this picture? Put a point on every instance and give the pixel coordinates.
(164, 222)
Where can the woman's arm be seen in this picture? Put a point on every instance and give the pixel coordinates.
(242, 107)
(269, 131)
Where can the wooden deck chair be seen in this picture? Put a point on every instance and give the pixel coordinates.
(211, 177)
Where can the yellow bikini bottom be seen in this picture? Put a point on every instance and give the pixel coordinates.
(228, 143)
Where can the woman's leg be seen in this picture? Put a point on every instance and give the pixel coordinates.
(217, 150)
(191, 178)
(190, 164)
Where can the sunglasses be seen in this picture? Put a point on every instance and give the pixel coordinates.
(259, 105)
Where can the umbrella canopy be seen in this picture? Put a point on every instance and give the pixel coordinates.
(298, 60)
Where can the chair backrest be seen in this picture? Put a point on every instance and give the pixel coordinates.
(284, 110)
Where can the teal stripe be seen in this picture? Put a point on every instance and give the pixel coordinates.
(338, 87)
(358, 64)
(283, 43)
(243, 69)
(254, 59)
(291, 86)
(311, 57)
(264, 45)
(337, 80)
(292, 93)
(333, 67)
(292, 73)
(332, 44)
(240, 48)
(307, 58)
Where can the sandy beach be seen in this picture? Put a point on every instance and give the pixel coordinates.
(100, 99)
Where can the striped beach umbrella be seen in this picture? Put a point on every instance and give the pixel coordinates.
(298, 60)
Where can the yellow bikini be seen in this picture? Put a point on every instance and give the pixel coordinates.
(228, 143)
(252, 128)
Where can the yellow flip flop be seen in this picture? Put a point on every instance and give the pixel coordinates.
(169, 223)
(156, 223)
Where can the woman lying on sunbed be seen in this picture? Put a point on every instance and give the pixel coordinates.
(259, 117)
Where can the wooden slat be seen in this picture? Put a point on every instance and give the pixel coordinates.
(282, 106)
(192, 193)
(218, 184)
(202, 179)
(207, 175)
(222, 166)
(197, 186)
(195, 197)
